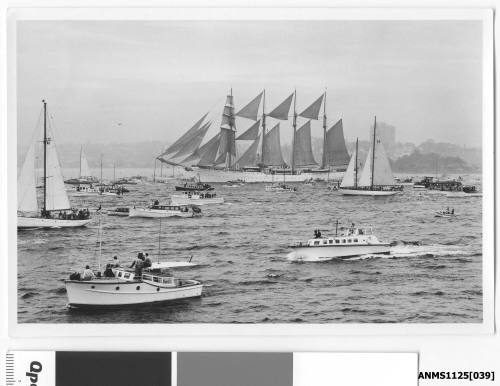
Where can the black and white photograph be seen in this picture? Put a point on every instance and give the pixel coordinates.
(221, 171)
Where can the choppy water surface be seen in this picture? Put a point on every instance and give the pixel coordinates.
(432, 275)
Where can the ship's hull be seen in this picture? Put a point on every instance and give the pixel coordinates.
(181, 200)
(107, 293)
(39, 222)
(326, 253)
(222, 176)
(157, 213)
(360, 192)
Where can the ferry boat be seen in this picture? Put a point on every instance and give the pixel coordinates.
(120, 212)
(156, 210)
(156, 284)
(350, 243)
(280, 187)
(196, 198)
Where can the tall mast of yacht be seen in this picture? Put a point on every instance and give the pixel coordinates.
(45, 140)
(324, 161)
(355, 167)
(81, 151)
(373, 152)
(101, 168)
(263, 127)
(294, 123)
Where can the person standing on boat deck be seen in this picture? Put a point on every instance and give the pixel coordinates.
(88, 274)
(138, 265)
(116, 262)
(147, 261)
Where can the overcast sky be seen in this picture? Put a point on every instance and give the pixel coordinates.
(133, 81)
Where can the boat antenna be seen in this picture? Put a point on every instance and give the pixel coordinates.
(373, 150)
(336, 227)
(45, 142)
(100, 242)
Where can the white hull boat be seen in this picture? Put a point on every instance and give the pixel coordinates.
(159, 213)
(192, 198)
(40, 222)
(354, 242)
(376, 178)
(217, 162)
(155, 285)
(116, 292)
(361, 192)
(56, 211)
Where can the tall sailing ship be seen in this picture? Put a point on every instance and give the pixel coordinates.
(217, 160)
(376, 178)
(56, 210)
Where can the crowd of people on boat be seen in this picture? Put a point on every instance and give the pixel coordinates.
(142, 262)
(72, 214)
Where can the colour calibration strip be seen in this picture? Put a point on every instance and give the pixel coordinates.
(103, 368)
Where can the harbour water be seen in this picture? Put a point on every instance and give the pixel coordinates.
(433, 275)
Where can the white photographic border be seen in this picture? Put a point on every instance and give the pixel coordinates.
(249, 330)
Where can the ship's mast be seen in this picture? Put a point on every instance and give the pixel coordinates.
(101, 168)
(81, 152)
(263, 127)
(45, 142)
(231, 122)
(324, 135)
(294, 123)
(356, 167)
(373, 151)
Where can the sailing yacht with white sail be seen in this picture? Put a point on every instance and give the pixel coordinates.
(376, 177)
(85, 175)
(218, 160)
(56, 211)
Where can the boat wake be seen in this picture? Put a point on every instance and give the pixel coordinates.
(399, 251)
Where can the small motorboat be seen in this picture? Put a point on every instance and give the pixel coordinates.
(280, 187)
(193, 187)
(157, 210)
(120, 211)
(235, 183)
(350, 243)
(85, 190)
(196, 198)
(446, 213)
(156, 284)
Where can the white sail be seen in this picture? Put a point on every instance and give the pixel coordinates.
(84, 165)
(57, 198)
(26, 184)
(382, 173)
(350, 173)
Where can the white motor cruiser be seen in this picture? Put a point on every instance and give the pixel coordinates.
(156, 210)
(122, 286)
(156, 284)
(196, 198)
(280, 188)
(350, 243)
